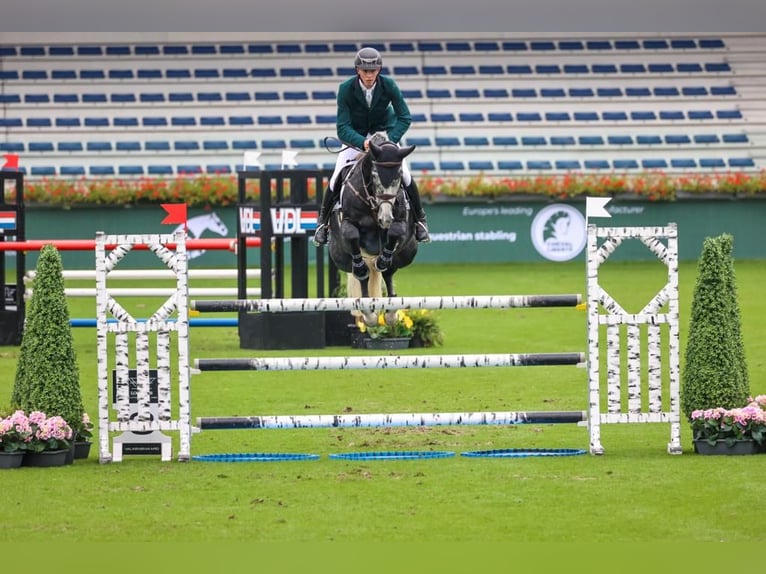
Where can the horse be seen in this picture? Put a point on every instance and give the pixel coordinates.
(196, 226)
(372, 234)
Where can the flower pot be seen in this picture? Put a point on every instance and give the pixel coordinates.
(82, 449)
(11, 459)
(46, 458)
(721, 447)
(387, 343)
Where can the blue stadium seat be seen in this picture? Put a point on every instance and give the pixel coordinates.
(627, 45)
(511, 165)
(152, 98)
(215, 145)
(298, 119)
(517, 69)
(204, 49)
(666, 91)
(596, 164)
(146, 50)
(209, 97)
(723, 91)
(177, 74)
(129, 146)
(8, 75)
(118, 50)
(491, 70)
(435, 94)
(735, 138)
(292, 72)
(44, 171)
(568, 164)
(274, 144)
(466, 93)
(553, 93)
(539, 165)
(157, 145)
(505, 141)
(706, 139)
(590, 140)
(212, 121)
(32, 51)
(179, 97)
(576, 69)
(452, 165)
(101, 170)
(175, 50)
(40, 147)
(712, 162)
(323, 95)
(31, 122)
(655, 44)
(625, 164)
(92, 74)
(422, 166)
(206, 73)
(241, 121)
(671, 115)
(682, 44)
(693, 91)
(258, 49)
(481, 165)
(63, 75)
(402, 46)
(127, 98)
(495, 93)
(711, 43)
(266, 96)
(434, 70)
(302, 144)
(741, 162)
(632, 68)
(688, 67)
(240, 73)
(189, 169)
(542, 46)
(475, 141)
(183, 121)
(598, 45)
(557, 117)
(643, 115)
(523, 93)
(125, 74)
(446, 141)
(547, 69)
(455, 46)
(486, 46)
(331, 118)
(159, 170)
(638, 92)
(654, 163)
(648, 140)
(515, 46)
(68, 122)
(317, 48)
(533, 141)
(186, 145)
(562, 140)
(154, 121)
(37, 98)
(93, 98)
(294, 96)
(499, 117)
(581, 92)
(98, 146)
(126, 122)
(130, 170)
(262, 120)
(728, 115)
(571, 45)
(6, 51)
(586, 116)
(244, 144)
(717, 67)
(69, 147)
(700, 115)
(614, 116)
(616, 139)
(471, 117)
(677, 139)
(419, 141)
(149, 74)
(683, 163)
(218, 168)
(443, 117)
(462, 70)
(232, 49)
(12, 147)
(609, 92)
(661, 68)
(65, 98)
(430, 46)
(72, 170)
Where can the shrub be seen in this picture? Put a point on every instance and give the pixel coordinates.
(715, 372)
(47, 375)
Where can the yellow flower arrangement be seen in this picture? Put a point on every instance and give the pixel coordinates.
(402, 327)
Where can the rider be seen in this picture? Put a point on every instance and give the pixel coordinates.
(369, 103)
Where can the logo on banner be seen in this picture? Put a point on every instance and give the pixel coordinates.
(7, 220)
(558, 232)
(284, 220)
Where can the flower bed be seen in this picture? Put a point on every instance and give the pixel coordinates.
(220, 190)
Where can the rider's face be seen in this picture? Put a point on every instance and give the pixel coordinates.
(368, 77)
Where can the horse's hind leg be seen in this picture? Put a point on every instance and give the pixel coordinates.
(388, 281)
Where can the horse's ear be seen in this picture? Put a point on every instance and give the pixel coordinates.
(405, 151)
(375, 149)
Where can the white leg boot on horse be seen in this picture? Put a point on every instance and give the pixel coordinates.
(421, 228)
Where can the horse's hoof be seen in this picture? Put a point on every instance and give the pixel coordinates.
(360, 271)
(382, 263)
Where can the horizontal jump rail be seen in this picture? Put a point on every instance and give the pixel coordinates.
(390, 420)
(383, 303)
(152, 291)
(90, 274)
(389, 362)
(194, 322)
(212, 243)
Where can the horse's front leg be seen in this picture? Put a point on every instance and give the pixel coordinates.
(350, 233)
(386, 257)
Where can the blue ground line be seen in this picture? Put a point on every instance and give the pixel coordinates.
(391, 455)
(254, 457)
(523, 452)
(194, 322)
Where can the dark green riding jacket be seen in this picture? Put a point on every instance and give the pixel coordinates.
(388, 112)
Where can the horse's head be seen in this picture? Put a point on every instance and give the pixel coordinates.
(386, 173)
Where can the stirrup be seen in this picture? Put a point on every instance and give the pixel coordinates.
(421, 232)
(320, 235)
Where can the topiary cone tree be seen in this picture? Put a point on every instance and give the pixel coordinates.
(47, 375)
(715, 372)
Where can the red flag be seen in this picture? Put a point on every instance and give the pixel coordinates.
(176, 213)
(11, 161)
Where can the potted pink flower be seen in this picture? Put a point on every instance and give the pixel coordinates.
(15, 434)
(50, 442)
(731, 431)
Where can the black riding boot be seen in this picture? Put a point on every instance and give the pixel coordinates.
(323, 221)
(421, 228)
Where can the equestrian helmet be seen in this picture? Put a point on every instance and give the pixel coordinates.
(368, 59)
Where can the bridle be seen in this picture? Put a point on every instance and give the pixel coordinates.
(373, 201)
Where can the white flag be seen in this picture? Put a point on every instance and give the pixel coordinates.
(595, 207)
(250, 159)
(288, 158)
